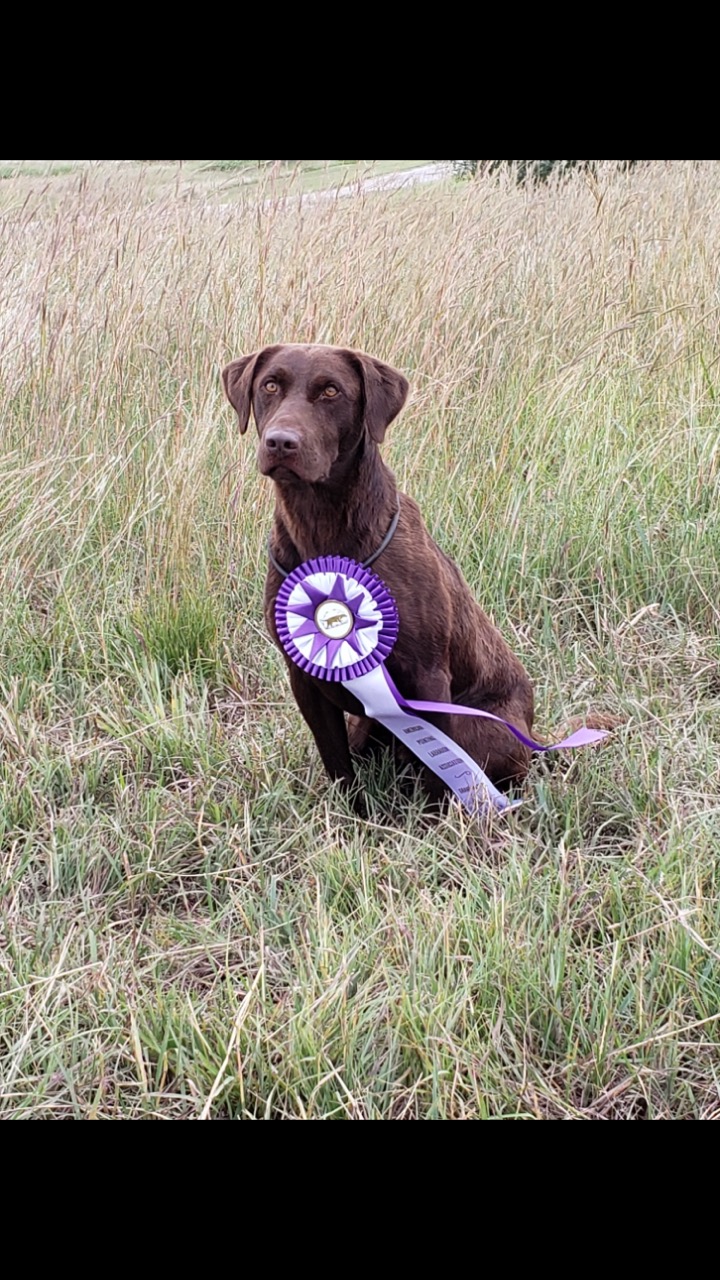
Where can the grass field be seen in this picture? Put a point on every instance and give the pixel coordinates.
(224, 179)
(193, 923)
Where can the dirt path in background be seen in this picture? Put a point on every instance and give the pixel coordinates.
(386, 182)
(419, 176)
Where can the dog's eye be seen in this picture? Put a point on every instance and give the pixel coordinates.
(271, 386)
(330, 391)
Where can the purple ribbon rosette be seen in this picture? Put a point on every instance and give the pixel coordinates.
(338, 621)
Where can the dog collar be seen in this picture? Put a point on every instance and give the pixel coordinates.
(365, 563)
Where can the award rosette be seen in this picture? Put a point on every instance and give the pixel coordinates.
(338, 621)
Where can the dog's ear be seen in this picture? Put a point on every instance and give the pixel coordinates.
(386, 391)
(238, 380)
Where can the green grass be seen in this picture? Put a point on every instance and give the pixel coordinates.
(192, 921)
(39, 168)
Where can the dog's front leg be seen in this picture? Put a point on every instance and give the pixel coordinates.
(327, 725)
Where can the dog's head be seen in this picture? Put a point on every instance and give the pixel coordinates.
(314, 406)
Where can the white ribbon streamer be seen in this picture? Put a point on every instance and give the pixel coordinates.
(460, 773)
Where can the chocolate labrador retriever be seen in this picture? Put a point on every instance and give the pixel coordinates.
(321, 413)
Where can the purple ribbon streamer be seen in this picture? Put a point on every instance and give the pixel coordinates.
(581, 738)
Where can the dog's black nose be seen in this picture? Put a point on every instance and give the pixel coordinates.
(282, 441)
